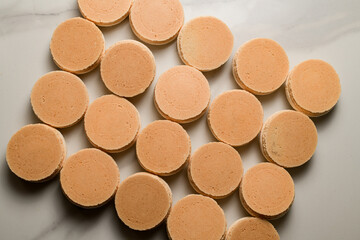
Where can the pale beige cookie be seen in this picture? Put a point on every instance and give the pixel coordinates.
(77, 45)
(143, 201)
(205, 43)
(288, 138)
(215, 170)
(196, 217)
(89, 178)
(260, 66)
(235, 117)
(313, 87)
(250, 228)
(267, 191)
(112, 123)
(156, 22)
(105, 13)
(182, 94)
(163, 147)
(59, 99)
(36, 152)
(128, 68)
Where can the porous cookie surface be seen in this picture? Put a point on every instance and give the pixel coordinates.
(112, 123)
(143, 201)
(196, 217)
(182, 94)
(59, 99)
(77, 45)
(36, 152)
(260, 66)
(105, 12)
(235, 117)
(163, 147)
(313, 87)
(288, 138)
(215, 170)
(250, 228)
(267, 191)
(89, 178)
(156, 22)
(205, 43)
(128, 68)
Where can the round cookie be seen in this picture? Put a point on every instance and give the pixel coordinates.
(36, 152)
(59, 99)
(251, 228)
(215, 170)
(288, 138)
(105, 13)
(267, 191)
(112, 123)
(128, 68)
(182, 94)
(260, 66)
(163, 147)
(156, 22)
(143, 201)
(196, 217)
(89, 178)
(205, 43)
(313, 87)
(77, 45)
(235, 117)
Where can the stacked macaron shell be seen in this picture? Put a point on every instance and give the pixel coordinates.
(215, 170)
(90, 178)
(143, 201)
(156, 22)
(36, 152)
(196, 217)
(128, 68)
(59, 99)
(163, 147)
(182, 94)
(77, 45)
(205, 43)
(112, 123)
(313, 87)
(105, 13)
(267, 191)
(251, 228)
(288, 138)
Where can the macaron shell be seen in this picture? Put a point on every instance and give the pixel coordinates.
(143, 201)
(59, 99)
(251, 228)
(112, 123)
(105, 13)
(156, 22)
(77, 45)
(205, 43)
(128, 68)
(288, 138)
(182, 94)
(163, 147)
(215, 170)
(235, 117)
(267, 191)
(36, 152)
(260, 66)
(313, 87)
(89, 178)
(196, 217)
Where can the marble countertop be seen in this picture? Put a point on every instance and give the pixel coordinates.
(327, 198)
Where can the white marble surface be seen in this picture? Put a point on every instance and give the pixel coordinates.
(327, 188)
